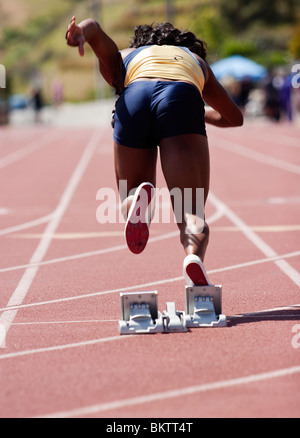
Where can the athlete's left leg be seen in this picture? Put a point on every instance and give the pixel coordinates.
(135, 166)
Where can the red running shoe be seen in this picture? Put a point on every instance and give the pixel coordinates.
(194, 271)
(138, 221)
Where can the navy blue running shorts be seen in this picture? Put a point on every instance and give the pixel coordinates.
(149, 111)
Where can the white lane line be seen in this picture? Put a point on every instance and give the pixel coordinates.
(272, 138)
(255, 262)
(258, 314)
(79, 321)
(20, 292)
(284, 141)
(64, 347)
(26, 225)
(262, 313)
(182, 392)
(4, 211)
(67, 258)
(153, 283)
(220, 209)
(213, 218)
(95, 294)
(278, 139)
(72, 235)
(256, 156)
(87, 254)
(259, 228)
(285, 267)
(103, 234)
(26, 150)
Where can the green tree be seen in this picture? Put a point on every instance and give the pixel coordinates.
(243, 13)
(294, 44)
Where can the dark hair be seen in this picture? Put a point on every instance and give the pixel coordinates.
(167, 34)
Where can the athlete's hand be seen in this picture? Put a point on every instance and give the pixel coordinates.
(75, 37)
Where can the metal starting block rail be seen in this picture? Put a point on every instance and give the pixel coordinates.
(140, 315)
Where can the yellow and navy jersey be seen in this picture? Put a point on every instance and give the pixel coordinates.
(165, 62)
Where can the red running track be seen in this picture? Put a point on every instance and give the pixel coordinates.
(62, 273)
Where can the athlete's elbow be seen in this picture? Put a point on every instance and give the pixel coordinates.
(237, 120)
(240, 120)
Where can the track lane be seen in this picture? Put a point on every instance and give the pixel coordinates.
(181, 361)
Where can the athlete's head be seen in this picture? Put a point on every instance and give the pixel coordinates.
(166, 33)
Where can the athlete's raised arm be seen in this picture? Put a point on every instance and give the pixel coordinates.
(110, 62)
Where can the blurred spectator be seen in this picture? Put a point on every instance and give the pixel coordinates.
(285, 98)
(245, 88)
(272, 100)
(57, 93)
(37, 103)
(4, 102)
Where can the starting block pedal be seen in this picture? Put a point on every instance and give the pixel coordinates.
(139, 314)
(203, 306)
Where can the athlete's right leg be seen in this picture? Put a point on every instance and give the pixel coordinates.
(185, 164)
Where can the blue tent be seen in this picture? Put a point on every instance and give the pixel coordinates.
(238, 67)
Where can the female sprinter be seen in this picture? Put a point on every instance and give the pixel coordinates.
(163, 81)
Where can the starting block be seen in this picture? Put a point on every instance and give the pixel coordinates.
(203, 306)
(140, 315)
